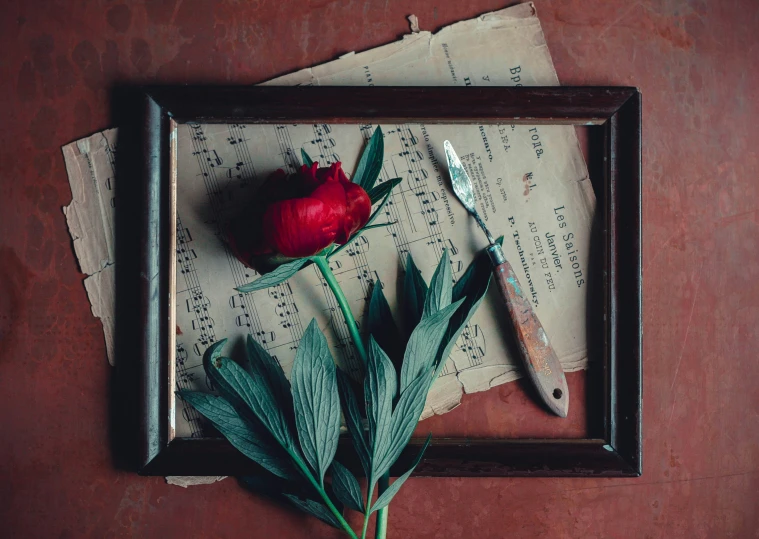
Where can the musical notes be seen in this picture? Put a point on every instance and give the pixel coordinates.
(411, 140)
(451, 247)
(213, 160)
(198, 302)
(281, 291)
(181, 355)
(472, 344)
(370, 276)
(358, 247)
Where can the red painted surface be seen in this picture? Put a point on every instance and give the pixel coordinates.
(695, 63)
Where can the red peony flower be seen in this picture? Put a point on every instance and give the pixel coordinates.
(300, 214)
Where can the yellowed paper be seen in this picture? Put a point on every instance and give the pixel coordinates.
(413, 22)
(90, 163)
(185, 481)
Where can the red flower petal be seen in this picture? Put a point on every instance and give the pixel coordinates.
(333, 195)
(359, 206)
(342, 178)
(300, 214)
(301, 227)
(328, 174)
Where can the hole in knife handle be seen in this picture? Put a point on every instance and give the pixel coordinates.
(557, 393)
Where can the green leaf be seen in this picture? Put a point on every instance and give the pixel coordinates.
(424, 343)
(278, 275)
(317, 405)
(471, 287)
(212, 361)
(314, 508)
(441, 287)
(379, 209)
(383, 189)
(260, 363)
(415, 292)
(382, 326)
(306, 159)
(405, 418)
(370, 164)
(346, 487)
(210, 356)
(255, 393)
(240, 433)
(385, 498)
(380, 386)
(353, 419)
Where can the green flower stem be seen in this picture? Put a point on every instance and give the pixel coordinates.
(368, 512)
(342, 301)
(381, 529)
(323, 494)
(366, 524)
(323, 265)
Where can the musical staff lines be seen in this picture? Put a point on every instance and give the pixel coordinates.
(392, 211)
(286, 149)
(196, 305)
(324, 145)
(242, 170)
(413, 157)
(287, 309)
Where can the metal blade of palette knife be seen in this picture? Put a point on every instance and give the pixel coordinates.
(462, 187)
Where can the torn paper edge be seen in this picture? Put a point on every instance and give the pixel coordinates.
(93, 248)
(413, 22)
(510, 17)
(185, 481)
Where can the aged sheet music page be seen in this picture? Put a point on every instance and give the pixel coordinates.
(531, 184)
(90, 163)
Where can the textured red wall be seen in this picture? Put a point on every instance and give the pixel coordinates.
(696, 64)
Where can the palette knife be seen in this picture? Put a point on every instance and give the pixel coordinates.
(538, 357)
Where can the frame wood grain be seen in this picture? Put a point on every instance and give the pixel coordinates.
(615, 449)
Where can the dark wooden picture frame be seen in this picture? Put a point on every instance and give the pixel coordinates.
(614, 449)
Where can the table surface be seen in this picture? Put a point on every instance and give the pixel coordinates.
(695, 63)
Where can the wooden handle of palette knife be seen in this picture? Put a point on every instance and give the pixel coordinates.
(538, 357)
